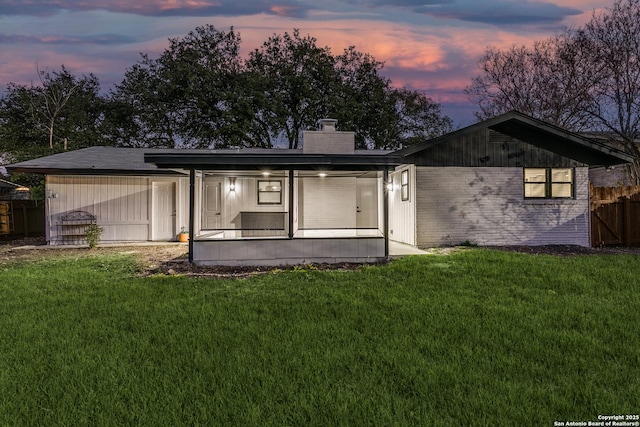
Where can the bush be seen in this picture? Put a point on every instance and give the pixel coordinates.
(92, 234)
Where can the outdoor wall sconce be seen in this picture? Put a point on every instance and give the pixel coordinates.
(390, 186)
(232, 185)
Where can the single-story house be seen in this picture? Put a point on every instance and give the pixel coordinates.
(510, 180)
(13, 191)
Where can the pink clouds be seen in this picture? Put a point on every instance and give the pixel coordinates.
(432, 48)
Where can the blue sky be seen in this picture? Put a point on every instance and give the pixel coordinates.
(429, 45)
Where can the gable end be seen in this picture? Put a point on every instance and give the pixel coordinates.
(489, 148)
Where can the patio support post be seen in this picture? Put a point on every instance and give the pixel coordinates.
(192, 199)
(385, 192)
(291, 203)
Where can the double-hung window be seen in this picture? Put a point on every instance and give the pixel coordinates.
(548, 183)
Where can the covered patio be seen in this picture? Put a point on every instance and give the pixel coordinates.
(278, 207)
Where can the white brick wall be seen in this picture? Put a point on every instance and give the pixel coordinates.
(486, 205)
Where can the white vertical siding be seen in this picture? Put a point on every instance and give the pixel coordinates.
(121, 204)
(402, 224)
(487, 206)
(244, 198)
(328, 203)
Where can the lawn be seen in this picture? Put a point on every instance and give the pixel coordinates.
(478, 337)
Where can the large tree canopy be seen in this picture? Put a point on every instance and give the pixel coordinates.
(200, 93)
(187, 97)
(586, 79)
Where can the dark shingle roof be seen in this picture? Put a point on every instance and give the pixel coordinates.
(131, 161)
(92, 160)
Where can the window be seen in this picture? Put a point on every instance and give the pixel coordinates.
(548, 183)
(404, 185)
(269, 192)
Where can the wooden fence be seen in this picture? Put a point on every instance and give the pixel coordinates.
(615, 216)
(21, 218)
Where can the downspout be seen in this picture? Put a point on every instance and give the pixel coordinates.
(385, 180)
(192, 199)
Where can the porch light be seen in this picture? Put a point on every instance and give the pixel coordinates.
(232, 184)
(322, 174)
(266, 173)
(390, 186)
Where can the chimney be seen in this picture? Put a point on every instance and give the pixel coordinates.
(327, 140)
(327, 125)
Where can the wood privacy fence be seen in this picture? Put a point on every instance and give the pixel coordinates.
(21, 218)
(615, 216)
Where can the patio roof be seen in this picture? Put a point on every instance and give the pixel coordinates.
(274, 160)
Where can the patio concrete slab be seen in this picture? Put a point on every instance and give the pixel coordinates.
(400, 249)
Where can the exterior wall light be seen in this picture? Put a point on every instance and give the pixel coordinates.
(232, 185)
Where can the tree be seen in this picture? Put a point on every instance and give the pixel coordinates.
(613, 42)
(587, 79)
(547, 81)
(419, 118)
(63, 112)
(298, 78)
(187, 97)
(304, 82)
(199, 93)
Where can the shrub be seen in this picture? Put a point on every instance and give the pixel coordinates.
(92, 234)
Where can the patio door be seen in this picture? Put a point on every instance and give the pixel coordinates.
(164, 211)
(211, 204)
(367, 203)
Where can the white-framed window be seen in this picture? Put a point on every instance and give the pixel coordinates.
(548, 183)
(404, 185)
(269, 192)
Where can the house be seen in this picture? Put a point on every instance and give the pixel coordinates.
(510, 180)
(611, 176)
(13, 191)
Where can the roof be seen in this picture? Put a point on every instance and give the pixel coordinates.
(150, 161)
(7, 184)
(540, 134)
(135, 161)
(93, 160)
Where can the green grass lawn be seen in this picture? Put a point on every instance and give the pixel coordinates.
(478, 337)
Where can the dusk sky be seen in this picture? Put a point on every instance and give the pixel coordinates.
(429, 45)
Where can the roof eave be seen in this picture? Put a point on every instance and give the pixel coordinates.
(90, 171)
(241, 161)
